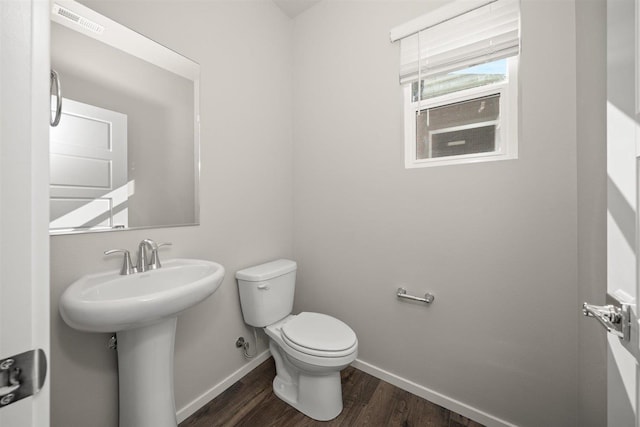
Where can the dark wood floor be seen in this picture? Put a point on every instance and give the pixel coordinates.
(368, 401)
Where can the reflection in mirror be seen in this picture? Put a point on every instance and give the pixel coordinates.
(126, 151)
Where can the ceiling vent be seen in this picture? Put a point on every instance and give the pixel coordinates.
(77, 19)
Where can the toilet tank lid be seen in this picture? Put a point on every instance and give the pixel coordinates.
(266, 271)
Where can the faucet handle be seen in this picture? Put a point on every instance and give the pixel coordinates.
(127, 266)
(155, 259)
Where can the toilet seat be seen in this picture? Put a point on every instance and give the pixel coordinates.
(319, 335)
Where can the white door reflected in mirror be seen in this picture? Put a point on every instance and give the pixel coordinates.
(88, 169)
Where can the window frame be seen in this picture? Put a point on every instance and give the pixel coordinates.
(506, 129)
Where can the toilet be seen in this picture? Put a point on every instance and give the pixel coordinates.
(309, 349)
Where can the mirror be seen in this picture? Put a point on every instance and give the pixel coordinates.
(125, 153)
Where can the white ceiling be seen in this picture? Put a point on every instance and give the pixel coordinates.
(294, 8)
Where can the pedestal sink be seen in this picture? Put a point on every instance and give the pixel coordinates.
(142, 309)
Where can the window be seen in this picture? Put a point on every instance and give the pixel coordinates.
(459, 77)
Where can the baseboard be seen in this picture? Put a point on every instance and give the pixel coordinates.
(191, 407)
(432, 396)
(403, 383)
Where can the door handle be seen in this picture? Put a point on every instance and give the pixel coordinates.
(616, 320)
(55, 81)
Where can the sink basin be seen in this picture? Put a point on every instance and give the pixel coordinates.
(109, 302)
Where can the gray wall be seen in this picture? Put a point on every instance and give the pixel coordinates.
(501, 244)
(495, 242)
(592, 201)
(246, 209)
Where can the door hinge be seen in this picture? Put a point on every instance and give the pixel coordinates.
(22, 376)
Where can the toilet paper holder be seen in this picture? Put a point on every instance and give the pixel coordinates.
(428, 297)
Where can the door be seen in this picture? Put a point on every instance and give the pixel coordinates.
(623, 151)
(24, 178)
(88, 169)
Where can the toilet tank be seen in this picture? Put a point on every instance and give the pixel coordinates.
(266, 291)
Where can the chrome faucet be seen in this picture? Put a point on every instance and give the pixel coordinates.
(143, 256)
(148, 258)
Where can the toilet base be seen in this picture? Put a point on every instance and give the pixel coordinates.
(317, 395)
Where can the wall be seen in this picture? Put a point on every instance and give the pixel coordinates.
(592, 201)
(246, 206)
(495, 242)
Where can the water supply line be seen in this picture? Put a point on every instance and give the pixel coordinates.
(241, 342)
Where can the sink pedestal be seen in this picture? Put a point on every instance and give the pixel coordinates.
(145, 365)
(143, 309)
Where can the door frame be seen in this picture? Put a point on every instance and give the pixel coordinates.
(24, 193)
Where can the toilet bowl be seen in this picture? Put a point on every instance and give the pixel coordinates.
(308, 371)
(309, 349)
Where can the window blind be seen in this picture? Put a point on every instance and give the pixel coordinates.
(488, 33)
